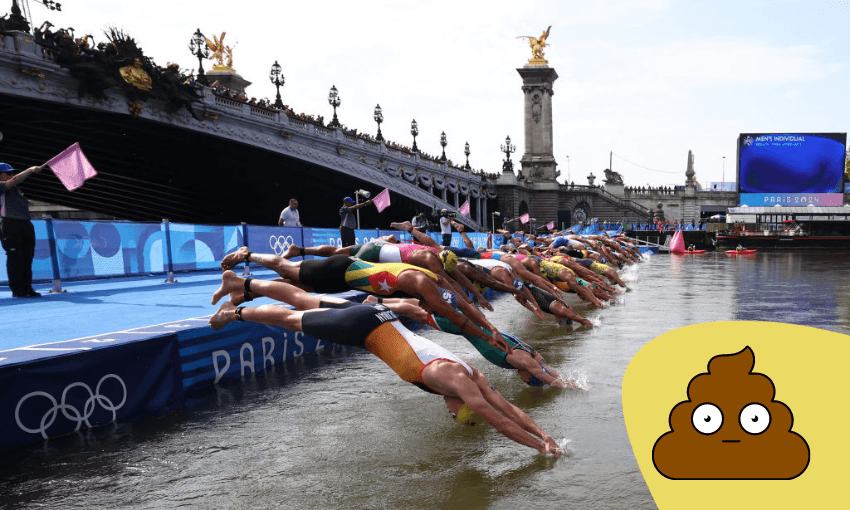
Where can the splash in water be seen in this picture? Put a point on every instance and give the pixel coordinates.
(562, 444)
(576, 380)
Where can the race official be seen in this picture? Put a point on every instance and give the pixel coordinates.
(16, 231)
(290, 216)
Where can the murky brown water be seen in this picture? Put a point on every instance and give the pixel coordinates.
(340, 430)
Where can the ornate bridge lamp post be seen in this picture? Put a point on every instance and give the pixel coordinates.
(466, 151)
(278, 80)
(198, 47)
(334, 100)
(493, 216)
(379, 117)
(443, 142)
(414, 130)
(508, 148)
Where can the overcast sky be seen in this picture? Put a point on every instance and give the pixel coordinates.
(646, 79)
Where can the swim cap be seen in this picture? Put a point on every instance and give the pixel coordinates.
(6, 167)
(449, 297)
(449, 260)
(533, 381)
(518, 284)
(466, 416)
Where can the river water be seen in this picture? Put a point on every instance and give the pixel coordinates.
(340, 430)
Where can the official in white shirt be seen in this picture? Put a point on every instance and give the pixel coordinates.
(289, 217)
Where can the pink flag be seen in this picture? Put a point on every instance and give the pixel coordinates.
(524, 218)
(382, 200)
(72, 167)
(550, 225)
(464, 209)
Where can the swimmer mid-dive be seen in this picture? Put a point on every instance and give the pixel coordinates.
(340, 273)
(529, 364)
(417, 360)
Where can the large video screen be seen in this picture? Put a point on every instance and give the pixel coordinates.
(791, 169)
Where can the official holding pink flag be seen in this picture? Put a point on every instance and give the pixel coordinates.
(16, 231)
(347, 221)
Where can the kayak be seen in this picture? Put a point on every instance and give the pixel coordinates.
(695, 251)
(740, 252)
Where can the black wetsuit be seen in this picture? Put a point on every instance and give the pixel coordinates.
(326, 275)
(346, 323)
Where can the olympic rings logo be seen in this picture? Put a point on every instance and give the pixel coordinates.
(279, 244)
(69, 411)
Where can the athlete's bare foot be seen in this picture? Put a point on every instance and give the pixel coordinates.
(231, 259)
(293, 251)
(224, 316)
(229, 283)
(237, 297)
(402, 225)
(458, 226)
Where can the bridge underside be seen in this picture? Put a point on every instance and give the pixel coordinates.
(149, 171)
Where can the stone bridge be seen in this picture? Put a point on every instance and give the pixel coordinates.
(234, 162)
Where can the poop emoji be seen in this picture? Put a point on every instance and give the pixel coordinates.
(731, 428)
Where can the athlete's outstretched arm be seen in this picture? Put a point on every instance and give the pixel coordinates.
(452, 380)
(514, 413)
(464, 282)
(520, 359)
(466, 322)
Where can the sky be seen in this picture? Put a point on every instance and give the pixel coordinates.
(641, 82)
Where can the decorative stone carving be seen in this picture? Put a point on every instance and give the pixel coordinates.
(612, 177)
(536, 107)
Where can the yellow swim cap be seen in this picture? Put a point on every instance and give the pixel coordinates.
(466, 416)
(449, 260)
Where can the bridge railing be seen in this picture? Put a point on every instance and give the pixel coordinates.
(70, 250)
(621, 202)
(24, 51)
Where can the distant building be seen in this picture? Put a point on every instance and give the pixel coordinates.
(723, 186)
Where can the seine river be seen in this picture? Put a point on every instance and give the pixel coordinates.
(340, 430)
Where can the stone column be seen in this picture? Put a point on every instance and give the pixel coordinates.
(482, 213)
(538, 162)
(539, 168)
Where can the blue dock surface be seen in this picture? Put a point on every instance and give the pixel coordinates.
(108, 349)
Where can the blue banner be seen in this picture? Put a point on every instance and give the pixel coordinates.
(74, 392)
(87, 249)
(274, 239)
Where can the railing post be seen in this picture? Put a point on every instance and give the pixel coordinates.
(247, 270)
(169, 261)
(54, 263)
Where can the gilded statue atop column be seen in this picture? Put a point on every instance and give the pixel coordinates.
(537, 44)
(219, 52)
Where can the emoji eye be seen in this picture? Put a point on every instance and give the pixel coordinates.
(707, 418)
(755, 418)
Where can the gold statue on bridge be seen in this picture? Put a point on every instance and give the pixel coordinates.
(219, 52)
(537, 44)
